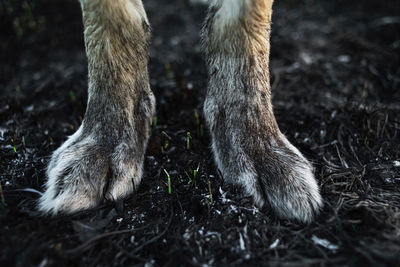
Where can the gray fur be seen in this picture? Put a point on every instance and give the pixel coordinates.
(104, 158)
(248, 147)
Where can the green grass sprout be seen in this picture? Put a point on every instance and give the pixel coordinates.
(187, 140)
(164, 147)
(23, 141)
(195, 172)
(165, 138)
(169, 182)
(197, 118)
(154, 121)
(364, 91)
(168, 70)
(209, 190)
(153, 125)
(72, 96)
(29, 14)
(13, 145)
(188, 176)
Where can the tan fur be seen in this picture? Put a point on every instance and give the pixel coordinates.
(110, 38)
(248, 147)
(104, 158)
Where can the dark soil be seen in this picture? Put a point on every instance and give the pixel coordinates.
(336, 86)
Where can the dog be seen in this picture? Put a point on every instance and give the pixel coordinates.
(104, 158)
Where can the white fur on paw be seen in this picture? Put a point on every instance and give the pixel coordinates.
(76, 176)
(127, 173)
(299, 197)
(82, 173)
(285, 180)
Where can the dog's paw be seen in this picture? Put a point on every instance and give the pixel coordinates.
(276, 174)
(84, 171)
(288, 184)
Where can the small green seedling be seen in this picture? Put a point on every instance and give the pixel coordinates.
(72, 96)
(29, 14)
(187, 140)
(165, 141)
(154, 121)
(188, 176)
(168, 70)
(13, 145)
(153, 125)
(169, 182)
(199, 125)
(165, 146)
(23, 141)
(197, 118)
(209, 190)
(22, 21)
(195, 172)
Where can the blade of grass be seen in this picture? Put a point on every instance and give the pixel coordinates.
(209, 190)
(187, 140)
(195, 174)
(169, 182)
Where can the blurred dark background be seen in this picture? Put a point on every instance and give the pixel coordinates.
(44, 38)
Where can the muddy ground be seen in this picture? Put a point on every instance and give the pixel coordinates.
(336, 88)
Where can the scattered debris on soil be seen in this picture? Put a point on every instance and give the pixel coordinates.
(336, 86)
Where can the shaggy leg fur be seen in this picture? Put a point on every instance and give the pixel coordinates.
(248, 147)
(104, 158)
